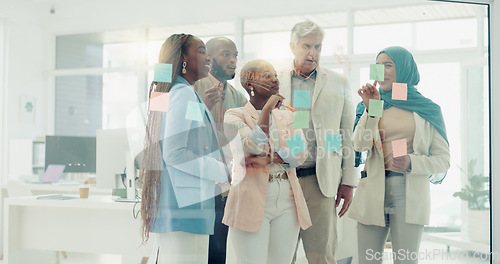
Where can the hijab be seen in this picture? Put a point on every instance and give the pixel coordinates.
(407, 72)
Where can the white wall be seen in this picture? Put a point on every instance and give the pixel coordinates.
(26, 71)
(124, 14)
(30, 30)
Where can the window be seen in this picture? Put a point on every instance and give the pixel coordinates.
(119, 98)
(446, 34)
(97, 50)
(3, 98)
(110, 73)
(453, 73)
(78, 110)
(373, 38)
(103, 84)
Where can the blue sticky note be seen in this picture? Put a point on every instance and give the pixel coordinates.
(296, 144)
(301, 119)
(163, 72)
(302, 99)
(333, 142)
(377, 72)
(375, 107)
(194, 111)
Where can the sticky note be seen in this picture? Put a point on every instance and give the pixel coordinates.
(296, 144)
(375, 107)
(159, 102)
(194, 111)
(399, 147)
(301, 119)
(399, 91)
(302, 99)
(333, 142)
(377, 72)
(163, 72)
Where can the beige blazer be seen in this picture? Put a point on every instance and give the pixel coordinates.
(247, 197)
(332, 113)
(430, 155)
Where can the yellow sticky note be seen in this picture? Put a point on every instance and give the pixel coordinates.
(399, 148)
(399, 91)
(159, 102)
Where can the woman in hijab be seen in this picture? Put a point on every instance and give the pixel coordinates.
(393, 193)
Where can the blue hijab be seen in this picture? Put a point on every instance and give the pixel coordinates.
(407, 72)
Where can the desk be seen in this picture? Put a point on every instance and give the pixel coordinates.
(38, 189)
(96, 225)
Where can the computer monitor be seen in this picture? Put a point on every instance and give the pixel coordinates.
(112, 148)
(77, 154)
(116, 151)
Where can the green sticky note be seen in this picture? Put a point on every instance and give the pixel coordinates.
(296, 144)
(302, 99)
(375, 107)
(333, 142)
(194, 111)
(163, 72)
(301, 119)
(377, 72)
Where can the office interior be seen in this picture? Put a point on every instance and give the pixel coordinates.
(80, 70)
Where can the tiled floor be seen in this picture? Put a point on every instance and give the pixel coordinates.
(44, 257)
(435, 254)
(79, 258)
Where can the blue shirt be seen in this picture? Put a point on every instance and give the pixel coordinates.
(192, 165)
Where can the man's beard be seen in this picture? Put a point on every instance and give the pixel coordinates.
(219, 73)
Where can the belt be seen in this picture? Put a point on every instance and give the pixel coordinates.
(393, 173)
(279, 176)
(306, 172)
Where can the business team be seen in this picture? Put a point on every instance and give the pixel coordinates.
(285, 180)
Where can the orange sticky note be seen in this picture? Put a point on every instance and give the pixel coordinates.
(159, 102)
(399, 148)
(399, 91)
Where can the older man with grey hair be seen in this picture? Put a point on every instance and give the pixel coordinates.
(328, 175)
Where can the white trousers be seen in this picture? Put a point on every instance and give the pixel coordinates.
(405, 237)
(276, 240)
(182, 248)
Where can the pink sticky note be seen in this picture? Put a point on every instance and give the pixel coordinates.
(159, 102)
(399, 148)
(399, 91)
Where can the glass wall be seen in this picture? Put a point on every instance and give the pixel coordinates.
(110, 73)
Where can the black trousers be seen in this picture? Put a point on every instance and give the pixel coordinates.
(218, 241)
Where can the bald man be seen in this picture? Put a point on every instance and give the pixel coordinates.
(219, 96)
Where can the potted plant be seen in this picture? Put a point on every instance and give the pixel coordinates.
(476, 193)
